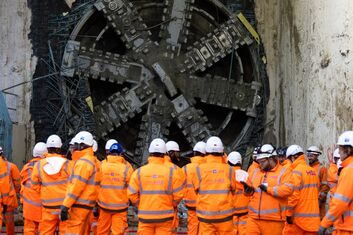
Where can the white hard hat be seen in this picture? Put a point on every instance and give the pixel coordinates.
(234, 158)
(314, 150)
(172, 146)
(110, 143)
(265, 151)
(336, 153)
(54, 141)
(346, 138)
(39, 149)
(95, 146)
(293, 150)
(157, 146)
(84, 137)
(72, 141)
(214, 145)
(200, 147)
(339, 163)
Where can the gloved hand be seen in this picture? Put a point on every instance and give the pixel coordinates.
(95, 212)
(322, 231)
(64, 213)
(289, 219)
(263, 187)
(4, 209)
(247, 188)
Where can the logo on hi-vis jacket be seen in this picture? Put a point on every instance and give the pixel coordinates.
(312, 173)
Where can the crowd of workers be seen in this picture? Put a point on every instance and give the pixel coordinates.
(284, 191)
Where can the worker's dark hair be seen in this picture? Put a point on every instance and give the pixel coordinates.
(217, 154)
(157, 154)
(197, 153)
(55, 150)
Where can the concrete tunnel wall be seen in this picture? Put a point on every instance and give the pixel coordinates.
(308, 45)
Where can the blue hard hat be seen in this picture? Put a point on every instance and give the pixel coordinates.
(116, 148)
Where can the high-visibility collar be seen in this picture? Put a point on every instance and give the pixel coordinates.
(316, 163)
(212, 158)
(35, 159)
(156, 160)
(167, 158)
(115, 159)
(347, 161)
(236, 167)
(255, 164)
(299, 161)
(78, 154)
(197, 159)
(53, 155)
(274, 168)
(286, 162)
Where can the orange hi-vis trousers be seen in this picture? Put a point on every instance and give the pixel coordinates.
(30, 227)
(193, 223)
(50, 221)
(264, 227)
(9, 221)
(163, 228)
(222, 228)
(240, 223)
(78, 221)
(116, 222)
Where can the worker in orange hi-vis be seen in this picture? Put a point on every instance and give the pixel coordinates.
(240, 200)
(172, 159)
(302, 214)
(332, 171)
(313, 154)
(156, 190)
(340, 212)
(9, 218)
(282, 157)
(115, 179)
(269, 188)
(214, 184)
(32, 204)
(49, 178)
(199, 152)
(82, 191)
(7, 191)
(254, 165)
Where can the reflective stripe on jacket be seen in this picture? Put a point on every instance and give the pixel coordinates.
(303, 205)
(84, 181)
(270, 205)
(332, 177)
(215, 185)
(156, 189)
(341, 206)
(190, 173)
(7, 190)
(252, 168)
(32, 205)
(52, 187)
(240, 200)
(115, 179)
(321, 172)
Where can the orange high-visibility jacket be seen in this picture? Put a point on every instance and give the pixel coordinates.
(240, 200)
(85, 178)
(252, 168)
(178, 170)
(190, 171)
(32, 205)
(303, 205)
(116, 175)
(15, 176)
(157, 190)
(332, 177)
(321, 172)
(270, 205)
(341, 207)
(214, 184)
(8, 193)
(50, 178)
(286, 163)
